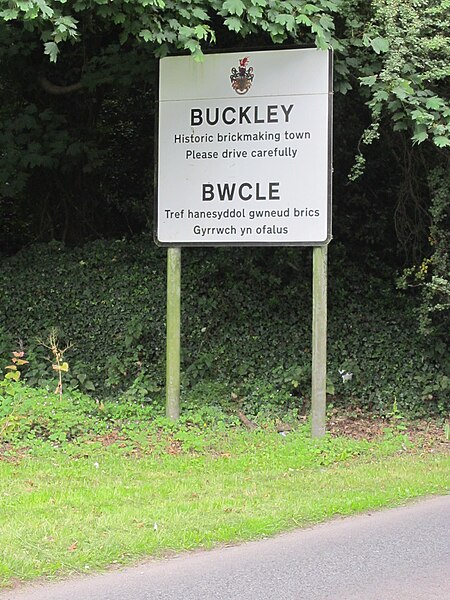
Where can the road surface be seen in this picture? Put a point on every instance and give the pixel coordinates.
(397, 554)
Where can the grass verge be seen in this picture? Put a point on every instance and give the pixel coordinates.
(82, 507)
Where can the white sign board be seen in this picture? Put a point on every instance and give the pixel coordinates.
(244, 149)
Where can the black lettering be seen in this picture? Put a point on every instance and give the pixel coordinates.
(196, 117)
(233, 119)
(226, 192)
(207, 192)
(241, 187)
(257, 196)
(274, 190)
(243, 114)
(287, 111)
(256, 116)
(209, 119)
(272, 116)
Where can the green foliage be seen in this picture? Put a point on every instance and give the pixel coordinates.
(245, 325)
(76, 149)
(31, 416)
(58, 134)
(107, 299)
(38, 420)
(404, 77)
(168, 25)
(77, 135)
(432, 276)
(28, 414)
(234, 486)
(18, 361)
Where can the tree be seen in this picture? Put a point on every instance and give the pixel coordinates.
(168, 24)
(77, 99)
(76, 130)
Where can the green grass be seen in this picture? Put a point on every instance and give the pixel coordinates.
(83, 507)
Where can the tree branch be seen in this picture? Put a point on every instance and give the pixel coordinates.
(59, 90)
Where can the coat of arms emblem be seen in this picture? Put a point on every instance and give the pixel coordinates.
(242, 78)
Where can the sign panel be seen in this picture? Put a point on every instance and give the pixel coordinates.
(244, 149)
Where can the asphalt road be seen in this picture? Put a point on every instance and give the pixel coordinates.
(397, 554)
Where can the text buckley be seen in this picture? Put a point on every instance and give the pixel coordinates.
(232, 115)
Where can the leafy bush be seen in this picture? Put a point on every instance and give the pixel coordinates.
(106, 299)
(246, 326)
(432, 276)
(27, 414)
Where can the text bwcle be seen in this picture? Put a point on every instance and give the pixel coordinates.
(244, 149)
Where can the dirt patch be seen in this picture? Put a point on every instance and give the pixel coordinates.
(426, 435)
(429, 435)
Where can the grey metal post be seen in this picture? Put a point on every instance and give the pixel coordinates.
(319, 342)
(173, 333)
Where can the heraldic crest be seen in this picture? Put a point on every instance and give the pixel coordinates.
(242, 78)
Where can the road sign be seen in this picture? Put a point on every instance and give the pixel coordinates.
(244, 149)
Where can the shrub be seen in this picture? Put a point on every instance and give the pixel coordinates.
(246, 324)
(28, 414)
